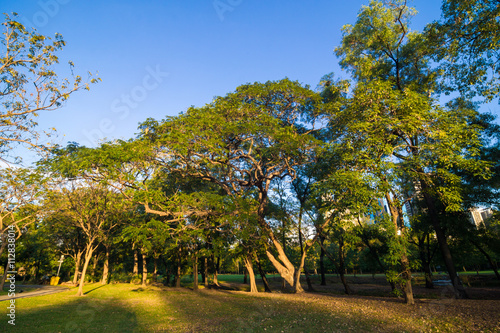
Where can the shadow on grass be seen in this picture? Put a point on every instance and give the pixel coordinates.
(72, 314)
(91, 290)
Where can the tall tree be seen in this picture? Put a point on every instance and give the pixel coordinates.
(391, 121)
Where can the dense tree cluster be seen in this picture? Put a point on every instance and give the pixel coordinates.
(373, 172)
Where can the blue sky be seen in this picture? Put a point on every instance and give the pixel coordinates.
(157, 58)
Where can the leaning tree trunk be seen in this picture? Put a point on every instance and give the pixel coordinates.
(144, 268)
(492, 263)
(347, 289)
(88, 256)
(105, 270)
(285, 268)
(297, 288)
(248, 264)
(458, 288)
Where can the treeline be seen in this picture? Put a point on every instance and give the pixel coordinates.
(372, 172)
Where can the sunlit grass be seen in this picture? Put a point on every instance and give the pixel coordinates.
(131, 308)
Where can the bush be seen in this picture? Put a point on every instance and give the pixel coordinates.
(121, 277)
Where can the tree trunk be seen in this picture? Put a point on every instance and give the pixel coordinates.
(34, 273)
(144, 268)
(285, 268)
(216, 264)
(425, 264)
(205, 274)
(322, 262)
(248, 265)
(492, 264)
(267, 288)
(88, 256)
(347, 289)
(77, 265)
(167, 281)
(136, 262)
(340, 269)
(95, 260)
(397, 220)
(179, 269)
(155, 271)
(458, 288)
(297, 288)
(308, 279)
(428, 277)
(245, 276)
(195, 273)
(407, 288)
(105, 270)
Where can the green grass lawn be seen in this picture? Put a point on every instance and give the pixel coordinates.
(130, 308)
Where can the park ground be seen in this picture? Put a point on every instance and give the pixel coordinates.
(132, 308)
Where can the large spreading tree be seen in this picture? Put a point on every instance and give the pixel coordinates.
(243, 142)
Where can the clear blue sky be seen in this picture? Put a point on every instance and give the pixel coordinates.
(157, 58)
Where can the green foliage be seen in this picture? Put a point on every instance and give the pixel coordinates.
(21, 190)
(389, 128)
(466, 42)
(238, 141)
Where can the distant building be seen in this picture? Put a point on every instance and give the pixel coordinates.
(479, 215)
